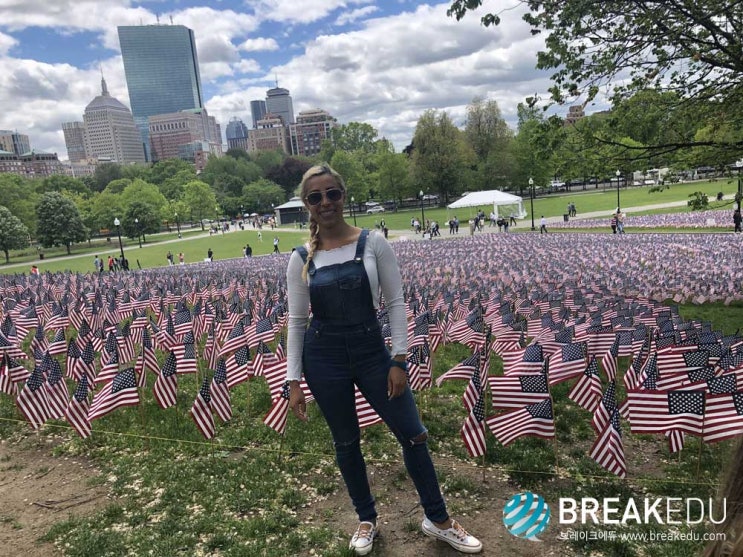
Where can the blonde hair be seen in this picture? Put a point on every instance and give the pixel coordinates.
(314, 241)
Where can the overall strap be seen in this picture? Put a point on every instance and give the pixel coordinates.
(361, 245)
(302, 251)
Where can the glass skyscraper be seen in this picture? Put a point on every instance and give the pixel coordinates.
(162, 72)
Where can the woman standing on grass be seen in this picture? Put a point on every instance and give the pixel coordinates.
(340, 273)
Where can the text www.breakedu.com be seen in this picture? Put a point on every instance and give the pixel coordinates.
(645, 537)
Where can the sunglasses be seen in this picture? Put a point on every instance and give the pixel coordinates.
(315, 197)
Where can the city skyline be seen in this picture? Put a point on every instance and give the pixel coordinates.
(382, 63)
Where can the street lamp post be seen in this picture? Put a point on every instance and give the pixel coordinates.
(139, 235)
(353, 213)
(178, 225)
(117, 224)
(531, 194)
(619, 173)
(423, 215)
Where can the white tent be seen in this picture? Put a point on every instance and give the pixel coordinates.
(503, 204)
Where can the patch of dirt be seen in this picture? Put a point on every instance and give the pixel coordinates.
(400, 515)
(38, 490)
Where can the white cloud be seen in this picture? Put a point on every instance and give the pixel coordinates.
(246, 65)
(395, 68)
(259, 44)
(306, 12)
(353, 15)
(6, 43)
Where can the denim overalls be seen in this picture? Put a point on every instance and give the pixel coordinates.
(343, 346)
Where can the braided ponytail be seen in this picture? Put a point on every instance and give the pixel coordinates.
(314, 241)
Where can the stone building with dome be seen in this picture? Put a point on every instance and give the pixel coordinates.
(110, 131)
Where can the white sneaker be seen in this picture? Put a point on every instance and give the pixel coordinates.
(362, 541)
(455, 536)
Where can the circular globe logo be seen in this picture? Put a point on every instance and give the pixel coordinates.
(526, 515)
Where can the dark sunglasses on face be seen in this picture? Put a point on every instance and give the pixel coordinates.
(315, 197)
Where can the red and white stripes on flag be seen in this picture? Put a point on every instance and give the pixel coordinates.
(121, 391)
(661, 411)
(32, 400)
(165, 389)
(201, 411)
(77, 409)
(608, 449)
(536, 420)
(723, 418)
(586, 392)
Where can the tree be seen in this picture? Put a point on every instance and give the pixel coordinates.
(440, 155)
(105, 173)
(356, 179)
(59, 221)
(267, 159)
(13, 233)
(60, 183)
(199, 199)
(172, 186)
(105, 207)
(20, 198)
(164, 170)
(140, 218)
(260, 196)
(289, 174)
(691, 48)
(237, 153)
(354, 136)
(393, 176)
(228, 176)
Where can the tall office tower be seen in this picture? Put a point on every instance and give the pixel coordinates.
(270, 134)
(162, 71)
(74, 140)
(14, 142)
(279, 103)
(257, 111)
(311, 129)
(110, 132)
(237, 134)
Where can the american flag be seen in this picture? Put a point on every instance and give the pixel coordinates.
(58, 345)
(463, 370)
(166, 384)
(473, 427)
(201, 411)
(586, 392)
(121, 391)
(86, 364)
(723, 417)
(570, 362)
(517, 391)
(32, 400)
(473, 391)
(364, 412)
(237, 366)
(676, 440)
(523, 360)
(536, 420)
(186, 356)
(56, 390)
(608, 450)
(605, 408)
(73, 356)
(220, 393)
(76, 412)
(149, 358)
(661, 411)
(182, 321)
(236, 339)
(7, 385)
(39, 342)
(109, 371)
(262, 331)
(276, 417)
(609, 361)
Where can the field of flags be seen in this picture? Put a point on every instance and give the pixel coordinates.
(579, 309)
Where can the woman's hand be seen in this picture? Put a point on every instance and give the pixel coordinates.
(397, 380)
(296, 401)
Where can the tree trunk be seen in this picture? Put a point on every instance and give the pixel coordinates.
(7, 256)
(67, 245)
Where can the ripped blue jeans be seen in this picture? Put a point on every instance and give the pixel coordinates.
(335, 358)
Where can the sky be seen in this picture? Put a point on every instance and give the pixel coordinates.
(383, 63)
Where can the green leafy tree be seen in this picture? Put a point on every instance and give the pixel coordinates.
(199, 200)
(237, 153)
(13, 233)
(17, 194)
(172, 186)
(289, 174)
(105, 173)
(60, 183)
(393, 176)
(228, 175)
(268, 159)
(440, 155)
(261, 195)
(140, 218)
(698, 201)
(117, 186)
(164, 170)
(691, 48)
(354, 136)
(59, 221)
(356, 179)
(104, 208)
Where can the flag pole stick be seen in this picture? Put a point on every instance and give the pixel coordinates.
(554, 417)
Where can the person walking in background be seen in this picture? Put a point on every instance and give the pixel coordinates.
(181, 258)
(248, 251)
(276, 244)
(513, 219)
(340, 273)
(613, 223)
(98, 264)
(169, 257)
(620, 222)
(110, 263)
(737, 220)
(210, 255)
(34, 270)
(543, 225)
